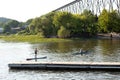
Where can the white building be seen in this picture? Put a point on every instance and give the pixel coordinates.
(1, 30)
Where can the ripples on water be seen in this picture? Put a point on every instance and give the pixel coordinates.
(99, 51)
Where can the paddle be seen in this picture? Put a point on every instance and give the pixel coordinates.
(36, 58)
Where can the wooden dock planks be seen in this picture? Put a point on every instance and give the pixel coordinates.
(66, 65)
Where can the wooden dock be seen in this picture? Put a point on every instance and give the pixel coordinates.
(66, 65)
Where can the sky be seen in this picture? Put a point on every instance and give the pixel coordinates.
(22, 10)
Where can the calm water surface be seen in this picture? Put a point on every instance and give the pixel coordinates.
(99, 51)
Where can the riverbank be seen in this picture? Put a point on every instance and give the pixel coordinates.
(108, 35)
(31, 39)
(37, 39)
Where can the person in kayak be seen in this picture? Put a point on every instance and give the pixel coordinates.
(80, 50)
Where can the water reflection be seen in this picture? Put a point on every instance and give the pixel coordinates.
(109, 47)
(65, 47)
(100, 51)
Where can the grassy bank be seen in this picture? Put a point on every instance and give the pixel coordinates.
(31, 39)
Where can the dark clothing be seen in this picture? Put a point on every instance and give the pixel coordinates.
(110, 35)
(36, 54)
(36, 51)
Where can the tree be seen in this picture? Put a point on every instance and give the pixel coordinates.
(103, 21)
(28, 21)
(109, 21)
(43, 25)
(113, 22)
(31, 28)
(66, 19)
(13, 23)
(6, 28)
(76, 26)
(89, 26)
(47, 25)
(63, 19)
(63, 32)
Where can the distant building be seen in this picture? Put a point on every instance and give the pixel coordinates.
(16, 29)
(1, 30)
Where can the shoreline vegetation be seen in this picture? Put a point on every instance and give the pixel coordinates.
(64, 27)
(31, 39)
(38, 39)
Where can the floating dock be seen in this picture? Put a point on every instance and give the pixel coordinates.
(66, 65)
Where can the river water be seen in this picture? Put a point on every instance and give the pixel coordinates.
(98, 51)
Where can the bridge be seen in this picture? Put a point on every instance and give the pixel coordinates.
(95, 6)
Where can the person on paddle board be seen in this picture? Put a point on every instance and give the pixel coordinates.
(36, 51)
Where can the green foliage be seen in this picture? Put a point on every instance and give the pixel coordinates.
(103, 21)
(4, 21)
(63, 19)
(13, 23)
(74, 25)
(63, 32)
(31, 39)
(28, 21)
(65, 24)
(109, 21)
(113, 22)
(43, 25)
(6, 29)
(88, 18)
(8, 26)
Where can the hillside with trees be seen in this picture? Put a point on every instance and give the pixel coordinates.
(10, 26)
(3, 21)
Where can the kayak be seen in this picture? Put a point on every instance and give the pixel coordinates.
(82, 52)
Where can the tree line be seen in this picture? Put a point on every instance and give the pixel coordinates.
(66, 25)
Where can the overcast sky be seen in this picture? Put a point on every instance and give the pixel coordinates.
(22, 10)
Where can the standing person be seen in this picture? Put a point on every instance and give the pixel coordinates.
(36, 51)
(111, 35)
